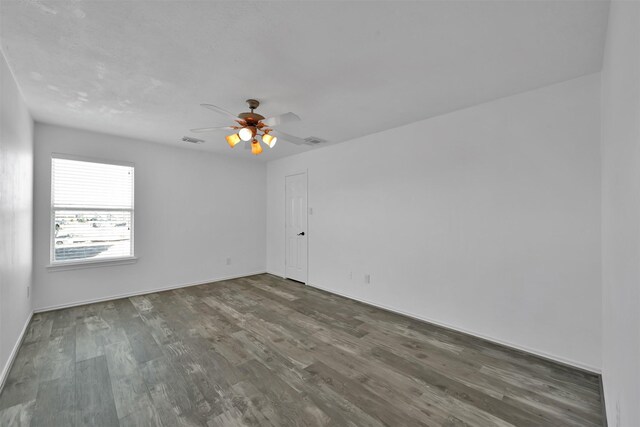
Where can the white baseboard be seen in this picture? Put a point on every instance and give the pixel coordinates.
(552, 357)
(14, 352)
(142, 292)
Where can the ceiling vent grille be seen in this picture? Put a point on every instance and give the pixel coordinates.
(314, 140)
(192, 140)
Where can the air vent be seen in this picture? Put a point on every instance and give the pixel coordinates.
(314, 140)
(192, 140)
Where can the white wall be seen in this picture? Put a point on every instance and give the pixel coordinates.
(193, 210)
(16, 203)
(486, 220)
(621, 214)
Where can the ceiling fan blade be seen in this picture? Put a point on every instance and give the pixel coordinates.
(198, 130)
(219, 110)
(291, 138)
(282, 118)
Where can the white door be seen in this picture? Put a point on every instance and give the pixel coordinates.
(296, 227)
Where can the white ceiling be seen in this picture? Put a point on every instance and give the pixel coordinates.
(140, 68)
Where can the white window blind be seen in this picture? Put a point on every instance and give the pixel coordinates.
(92, 210)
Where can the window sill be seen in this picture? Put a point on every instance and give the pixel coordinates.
(71, 265)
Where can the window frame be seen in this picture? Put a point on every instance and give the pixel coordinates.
(89, 262)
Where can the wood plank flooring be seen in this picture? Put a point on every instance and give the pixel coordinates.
(262, 351)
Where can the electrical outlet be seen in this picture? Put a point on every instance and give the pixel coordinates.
(228, 261)
(367, 278)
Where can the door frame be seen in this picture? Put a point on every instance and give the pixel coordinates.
(306, 173)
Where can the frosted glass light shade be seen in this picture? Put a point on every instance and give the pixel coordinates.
(245, 134)
(256, 148)
(233, 139)
(269, 140)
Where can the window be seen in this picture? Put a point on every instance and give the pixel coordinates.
(91, 210)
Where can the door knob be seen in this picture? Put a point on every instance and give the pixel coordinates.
(301, 234)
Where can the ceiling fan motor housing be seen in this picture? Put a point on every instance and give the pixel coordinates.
(251, 118)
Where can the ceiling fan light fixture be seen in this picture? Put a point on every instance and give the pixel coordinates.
(247, 133)
(253, 128)
(233, 139)
(256, 148)
(270, 140)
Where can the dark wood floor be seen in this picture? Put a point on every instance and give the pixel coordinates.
(264, 351)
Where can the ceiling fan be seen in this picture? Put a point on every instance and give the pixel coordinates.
(251, 125)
